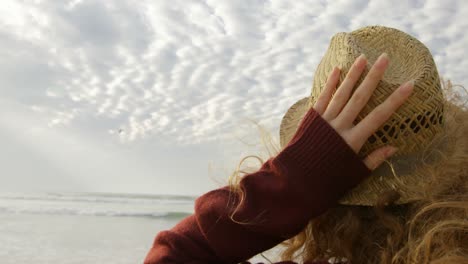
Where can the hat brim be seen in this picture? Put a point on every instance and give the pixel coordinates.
(407, 174)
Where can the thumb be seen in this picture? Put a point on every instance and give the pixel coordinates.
(378, 156)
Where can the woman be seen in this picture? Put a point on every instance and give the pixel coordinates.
(328, 192)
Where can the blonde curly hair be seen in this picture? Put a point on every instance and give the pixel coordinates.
(433, 230)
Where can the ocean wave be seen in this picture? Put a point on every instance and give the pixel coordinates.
(102, 198)
(110, 213)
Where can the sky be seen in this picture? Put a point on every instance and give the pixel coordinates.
(155, 96)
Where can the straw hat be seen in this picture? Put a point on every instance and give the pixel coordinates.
(414, 127)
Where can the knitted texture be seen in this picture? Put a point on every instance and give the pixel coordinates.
(300, 183)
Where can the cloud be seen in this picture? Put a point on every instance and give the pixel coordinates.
(190, 69)
(36, 157)
(189, 73)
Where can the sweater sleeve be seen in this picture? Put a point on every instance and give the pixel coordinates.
(305, 179)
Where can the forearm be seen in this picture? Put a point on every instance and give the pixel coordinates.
(300, 183)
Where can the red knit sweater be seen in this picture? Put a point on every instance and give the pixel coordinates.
(306, 178)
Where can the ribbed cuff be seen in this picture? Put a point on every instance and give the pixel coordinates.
(323, 158)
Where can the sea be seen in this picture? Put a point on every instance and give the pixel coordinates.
(69, 228)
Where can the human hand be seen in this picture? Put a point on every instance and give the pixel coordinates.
(341, 113)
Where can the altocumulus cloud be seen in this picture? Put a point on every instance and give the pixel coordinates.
(189, 69)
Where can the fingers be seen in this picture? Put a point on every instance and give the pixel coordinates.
(341, 114)
(325, 96)
(377, 157)
(382, 113)
(342, 94)
(364, 91)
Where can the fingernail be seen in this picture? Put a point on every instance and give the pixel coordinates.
(335, 71)
(384, 59)
(407, 87)
(361, 60)
(384, 56)
(391, 151)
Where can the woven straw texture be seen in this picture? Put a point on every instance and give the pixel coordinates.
(411, 128)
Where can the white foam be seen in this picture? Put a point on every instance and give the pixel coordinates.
(96, 205)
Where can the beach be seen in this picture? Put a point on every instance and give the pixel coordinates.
(76, 239)
(85, 228)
